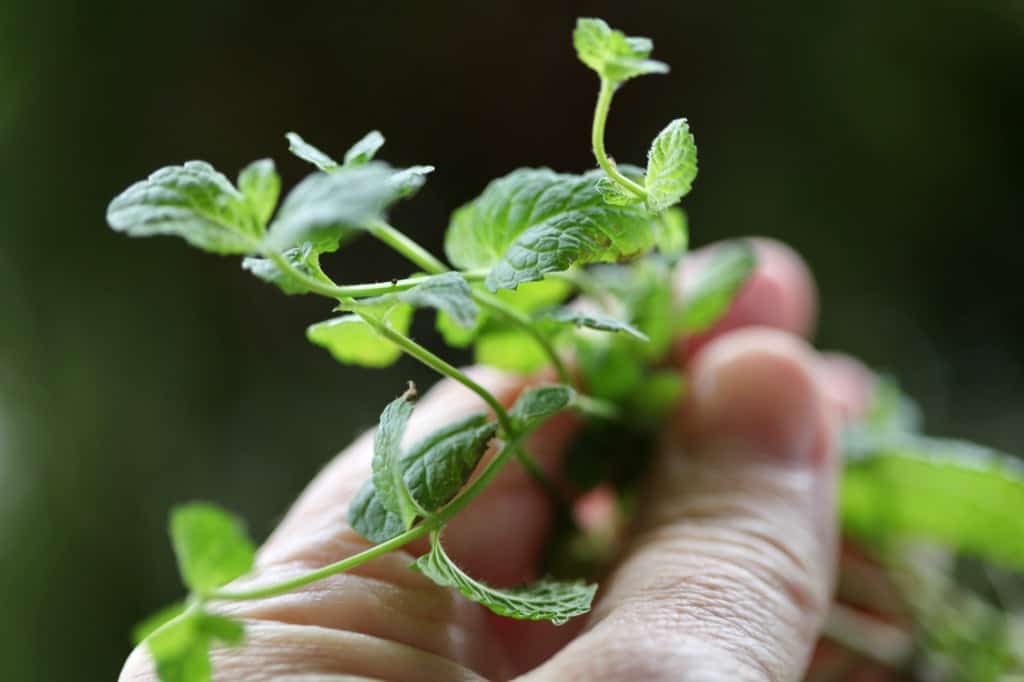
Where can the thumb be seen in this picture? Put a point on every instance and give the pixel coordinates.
(731, 568)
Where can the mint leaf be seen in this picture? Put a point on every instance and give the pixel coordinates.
(533, 296)
(611, 369)
(672, 233)
(456, 335)
(181, 652)
(537, 403)
(406, 182)
(543, 600)
(611, 53)
(910, 487)
(325, 208)
(509, 349)
(309, 153)
(437, 467)
(365, 149)
(671, 166)
(536, 221)
(721, 279)
(655, 397)
(449, 293)
(387, 466)
(576, 318)
(613, 193)
(192, 201)
(354, 342)
(211, 546)
(260, 185)
(304, 258)
(153, 622)
(369, 518)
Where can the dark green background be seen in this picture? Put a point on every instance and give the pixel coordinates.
(882, 140)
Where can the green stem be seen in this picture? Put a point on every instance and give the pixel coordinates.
(522, 321)
(407, 247)
(336, 291)
(604, 102)
(441, 367)
(327, 571)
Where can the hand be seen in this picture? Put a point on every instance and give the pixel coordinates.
(730, 565)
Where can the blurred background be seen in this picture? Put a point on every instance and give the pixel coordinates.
(883, 140)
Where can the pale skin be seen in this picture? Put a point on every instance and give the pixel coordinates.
(729, 568)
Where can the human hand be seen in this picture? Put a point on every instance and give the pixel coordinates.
(729, 567)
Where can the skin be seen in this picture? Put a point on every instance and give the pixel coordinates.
(729, 568)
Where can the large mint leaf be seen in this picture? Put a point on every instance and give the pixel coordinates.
(192, 201)
(436, 468)
(550, 600)
(536, 221)
(904, 486)
(387, 465)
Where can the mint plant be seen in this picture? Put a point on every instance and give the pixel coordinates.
(530, 241)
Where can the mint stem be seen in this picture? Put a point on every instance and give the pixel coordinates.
(604, 102)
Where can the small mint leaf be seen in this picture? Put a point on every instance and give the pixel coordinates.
(221, 629)
(309, 153)
(364, 150)
(671, 166)
(577, 318)
(388, 480)
(509, 349)
(354, 342)
(611, 53)
(211, 546)
(437, 467)
(406, 182)
(369, 518)
(153, 622)
(727, 270)
(181, 652)
(672, 233)
(303, 258)
(537, 403)
(192, 201)
(449, 293)
(550, 600)
(261, 186)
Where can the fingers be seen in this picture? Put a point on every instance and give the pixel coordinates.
(732, 567)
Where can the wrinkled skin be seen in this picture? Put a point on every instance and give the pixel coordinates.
(729, 568)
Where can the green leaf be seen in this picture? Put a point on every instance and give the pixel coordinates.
(365, 149)
(533, 296)
(354, 342)
(672, 233)
(304, 258)
(437, 467)
(211, 546)
(577, 318)
(307, 152)
(511, 350)
(536, 221)
(655, 397)
(537, 403)
(152, 623)
(543, 600)
(369, 518)
(951, 492)
(611, 53)
(325, 208)
(449, 293)
(181, 652)
(720, 280)
(613, 193)
(671, 166)
(454, 334)
(260, 185)
(388, 480)
(406, 182)
(222, 629)
(192, 201)
(611, 369)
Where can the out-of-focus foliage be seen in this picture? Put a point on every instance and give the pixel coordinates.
(882, 140)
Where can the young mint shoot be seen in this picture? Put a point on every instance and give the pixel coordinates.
(518, 252)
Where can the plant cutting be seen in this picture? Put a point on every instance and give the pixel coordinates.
(518, 256)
